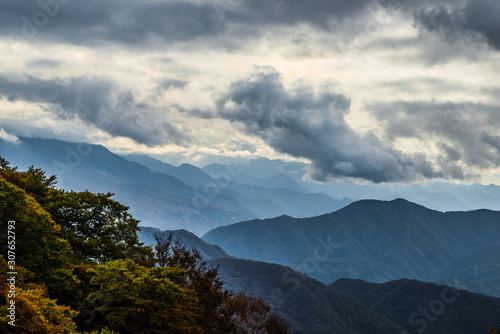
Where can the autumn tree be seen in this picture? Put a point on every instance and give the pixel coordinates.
(35, 311)
(219, 310)
(213, 315)
(253, 315)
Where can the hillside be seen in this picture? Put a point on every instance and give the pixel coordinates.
(373, 240)
(426, 307)
(310, 306)
(478, 272)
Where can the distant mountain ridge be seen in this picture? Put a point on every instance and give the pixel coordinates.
(437, 195)
(162, 195)
(157, 199)
(373, 240)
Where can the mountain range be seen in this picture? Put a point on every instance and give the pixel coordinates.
(349, 305)
(165, 196)
(377, 241)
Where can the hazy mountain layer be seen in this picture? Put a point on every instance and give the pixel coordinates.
(374, 240)
(165, 196)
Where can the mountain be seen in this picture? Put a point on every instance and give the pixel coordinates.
(373, 240)
(187, 173)
(157, 199)
(256, 174)
(478, 272)
(310, 306)
(425, 307)
(437, 195)
(162, 195)
(268, 196)
(187, 239)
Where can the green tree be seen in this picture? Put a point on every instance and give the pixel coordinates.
(97, 227)
(82, 250)
(103, 331)
(38, 245)
(34, 181)
(135, 299)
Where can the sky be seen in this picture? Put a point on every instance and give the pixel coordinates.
(378, 91)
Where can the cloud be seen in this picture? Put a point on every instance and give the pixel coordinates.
(477, 21)
(161, 23)
(95, 21)
(169, 83)
(308, 124)
(466, 133)
(290, 12)
(44, 63)
(99, 102)
(8, 137)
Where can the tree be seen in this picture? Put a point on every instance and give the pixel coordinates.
(33, 181)
(253, 315)
(219, 311)
(97, 227)
(38, 245)
(135, 299)
(213, 315)
(103, 331)
(35, 312)
(81, 251)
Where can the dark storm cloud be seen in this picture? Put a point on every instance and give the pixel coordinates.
(159, 23)
(477, 21)
(96, 101)
(125, 21)
(306, 124)
(467, 133)
(315, 12)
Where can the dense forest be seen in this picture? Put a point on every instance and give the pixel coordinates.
(76, 265)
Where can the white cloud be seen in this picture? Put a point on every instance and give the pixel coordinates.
(8, 137)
